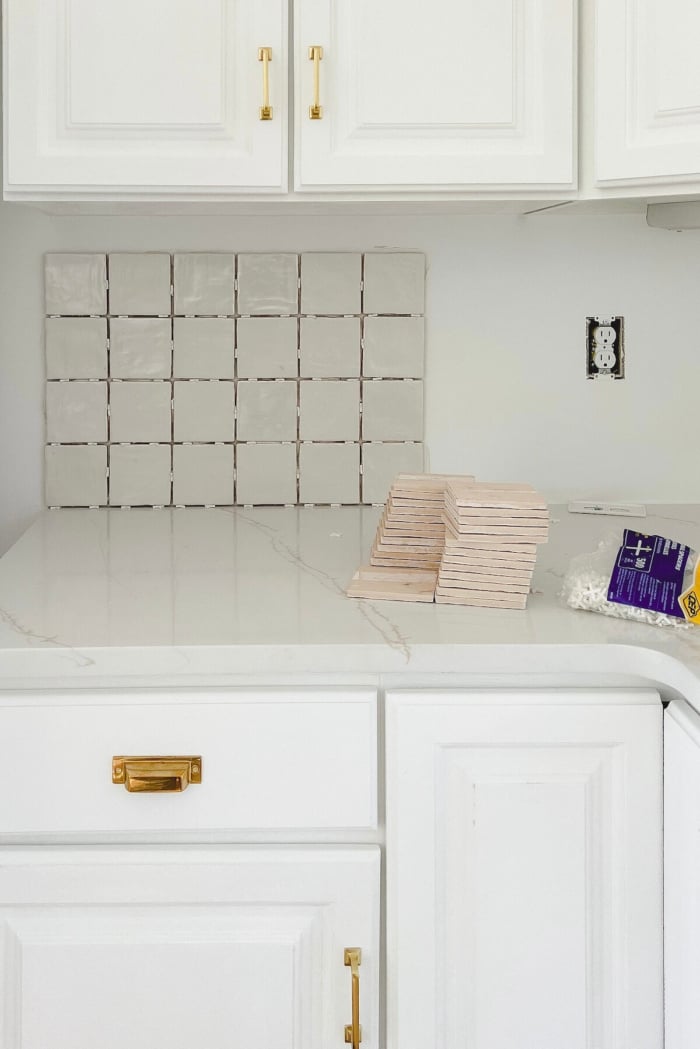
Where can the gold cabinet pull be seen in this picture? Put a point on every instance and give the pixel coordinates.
(353, 1031)
(316, 110)
(152, 775)
(265, 56)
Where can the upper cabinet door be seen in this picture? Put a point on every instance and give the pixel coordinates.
(137, 96)
(439, 95)
(647, 91)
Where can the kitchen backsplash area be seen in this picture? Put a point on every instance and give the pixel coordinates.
(197, 379)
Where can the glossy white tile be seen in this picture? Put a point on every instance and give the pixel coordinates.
(329, 473)
(203, 410)
(266, 474)
(139, 284)
(329, 410)
(266, 347)
(394, 282)
(382, 462)
(203, 475)
(140, 347)
(76, 412)
(203, 284)
(393, 347)
(268, 284)
(76, 475)
(75, 284)
(139, 475)
(203, 348)
(140, 411)
(331, 282)
(392, 410)
(267, 411)
(330, 347)
(76, 347)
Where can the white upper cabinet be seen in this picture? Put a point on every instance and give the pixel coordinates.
(647, 92)
(123, 96)
(440, 95)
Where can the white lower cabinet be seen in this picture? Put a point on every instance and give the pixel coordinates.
(682, 875)
(179, 948)
(524, 881)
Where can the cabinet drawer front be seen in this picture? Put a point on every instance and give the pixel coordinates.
(213, 947)
(271, 761)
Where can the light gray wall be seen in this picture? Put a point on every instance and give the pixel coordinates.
(506, 396)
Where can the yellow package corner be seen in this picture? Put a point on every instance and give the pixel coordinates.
(690, 598)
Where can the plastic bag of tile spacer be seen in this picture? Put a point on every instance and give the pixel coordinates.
(646, 578)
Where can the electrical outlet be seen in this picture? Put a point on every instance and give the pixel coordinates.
(605, 347)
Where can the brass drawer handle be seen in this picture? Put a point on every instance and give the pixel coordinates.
(353, 1031)
(156, 774)
(316, 110)
(265, 56)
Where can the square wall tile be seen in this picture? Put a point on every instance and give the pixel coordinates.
(203, 474)
(266, 474)
(267, 284)
(329, 473)
(393, 347)
(329, 410)
(76, 412)
(392, 410)
(75, 284)
(266, 348)
(139, 475)
(203, 410)
(140, 412)
(381, 463)
(139, 284)
(331, 282)
(394, 282)
(330, 347)
(204, 348)
(140, 348)
(76, 475)
(204, 284)
(267, 411)
(76, 347)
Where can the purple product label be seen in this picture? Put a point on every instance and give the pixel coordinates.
(648, 573)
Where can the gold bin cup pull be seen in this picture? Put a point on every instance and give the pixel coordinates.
(265, 56)
(156, 774)
(353, 1031)
(316, 110)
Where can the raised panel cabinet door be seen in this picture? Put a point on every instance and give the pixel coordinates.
(524, 870)
(450, 94)
(136, 97)
(647, 114)
(682, 875)
(173, 949)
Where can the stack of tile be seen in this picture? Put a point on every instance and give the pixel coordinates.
(492, 532)
(408, 546)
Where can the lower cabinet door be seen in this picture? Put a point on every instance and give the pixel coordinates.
(190, 947)
(682, 875)
(524, 871)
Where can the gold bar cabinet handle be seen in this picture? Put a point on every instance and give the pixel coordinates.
(265, 56)
(155, 774)
(316, 110)
(353, 1031)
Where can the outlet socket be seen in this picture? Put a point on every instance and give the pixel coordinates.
(605, 347)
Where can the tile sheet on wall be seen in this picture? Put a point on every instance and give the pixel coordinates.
(215, 379)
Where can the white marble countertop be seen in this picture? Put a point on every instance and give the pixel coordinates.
(102, 598)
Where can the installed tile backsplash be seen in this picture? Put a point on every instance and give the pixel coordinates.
(220, 379)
